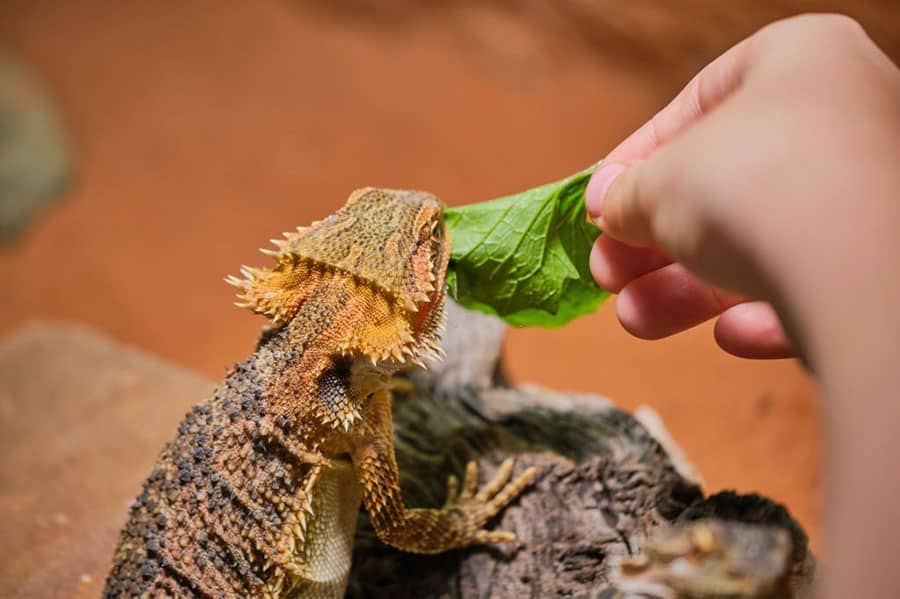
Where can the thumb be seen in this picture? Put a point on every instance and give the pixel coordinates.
(684, 201)
(615, 202)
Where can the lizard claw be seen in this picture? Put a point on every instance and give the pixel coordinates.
(452, 490)
(470, 481)
(479, 506)
(490, 537)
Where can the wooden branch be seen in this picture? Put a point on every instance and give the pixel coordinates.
(606, 481)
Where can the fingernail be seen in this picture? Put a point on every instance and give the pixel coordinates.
(595, 194)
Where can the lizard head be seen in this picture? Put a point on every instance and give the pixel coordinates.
(709, 558)
(382, 257)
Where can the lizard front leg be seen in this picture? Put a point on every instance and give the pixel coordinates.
(459, 523)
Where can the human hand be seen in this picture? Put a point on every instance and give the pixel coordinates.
(775, 175)
(765, 179)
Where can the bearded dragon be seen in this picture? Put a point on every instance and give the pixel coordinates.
(258, 494)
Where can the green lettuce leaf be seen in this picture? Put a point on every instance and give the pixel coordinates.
(524, 257)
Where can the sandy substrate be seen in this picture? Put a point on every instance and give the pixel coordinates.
(203, 129)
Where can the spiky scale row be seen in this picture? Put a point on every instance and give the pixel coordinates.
(279, 292)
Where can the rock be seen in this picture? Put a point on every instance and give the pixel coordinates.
(82, 418)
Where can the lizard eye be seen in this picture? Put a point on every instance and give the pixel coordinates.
(437, 231)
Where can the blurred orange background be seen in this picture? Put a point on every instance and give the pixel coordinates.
(201, 129)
